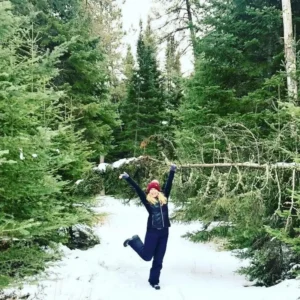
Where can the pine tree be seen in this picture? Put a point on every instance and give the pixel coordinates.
(38, 152)
(233, 111)
(120, 147)
(173, 79)
(83, 68)
(129, 64)
(237, 66)
(143, 111)
(106, 23)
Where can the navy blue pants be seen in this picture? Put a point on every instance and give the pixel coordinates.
(154, 247)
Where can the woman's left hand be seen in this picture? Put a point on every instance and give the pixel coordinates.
(173, 167)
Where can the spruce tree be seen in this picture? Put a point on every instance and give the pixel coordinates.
(121, 148)
(39, 147)
(234, 111)
(83, 67)
(128, 64)
(235, 74)
(106, 23)
(173, 80)
(143, 111)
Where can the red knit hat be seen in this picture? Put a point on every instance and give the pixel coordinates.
(153, 185)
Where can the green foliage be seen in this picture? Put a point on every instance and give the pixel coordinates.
(173, 90)
(42, 151)
(83, 74)
(3, 160)
(208, 235)
(22, 259)
(91, 185)
(277, 261)
(245, 197)
(58, 100)
(234, 110)
(143, 110)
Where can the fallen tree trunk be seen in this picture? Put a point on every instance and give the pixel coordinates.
(278, 165)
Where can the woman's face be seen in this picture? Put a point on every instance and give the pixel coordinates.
(153, 193)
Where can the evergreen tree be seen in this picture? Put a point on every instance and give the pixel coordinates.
(120, 147)
(40, 148)
(233, 112)
(143, 111)
(235, 75)
(128, 64)
(173, 79)
(83, 67)
(107, 24)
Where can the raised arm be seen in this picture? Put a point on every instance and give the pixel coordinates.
(138, 190)
(169, 182)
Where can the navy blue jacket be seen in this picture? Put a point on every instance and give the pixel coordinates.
(158, 214)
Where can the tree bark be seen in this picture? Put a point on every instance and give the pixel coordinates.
(191, 26)
(289, 48)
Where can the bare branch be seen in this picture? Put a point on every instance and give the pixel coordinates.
(279, 191)
(289, 219)
(173, 32)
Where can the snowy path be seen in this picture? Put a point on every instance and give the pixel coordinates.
(111, 272)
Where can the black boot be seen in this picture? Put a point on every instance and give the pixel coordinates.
(155, 286)
(126, 242)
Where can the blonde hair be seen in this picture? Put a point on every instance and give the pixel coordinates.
(161, 199)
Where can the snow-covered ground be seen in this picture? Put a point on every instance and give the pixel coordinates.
(111, 272)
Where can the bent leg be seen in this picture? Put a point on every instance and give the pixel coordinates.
(145, 251)
(158, 260)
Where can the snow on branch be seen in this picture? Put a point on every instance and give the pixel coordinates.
(278, 165)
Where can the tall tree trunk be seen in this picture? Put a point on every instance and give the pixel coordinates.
(191, 26)
(289, 47)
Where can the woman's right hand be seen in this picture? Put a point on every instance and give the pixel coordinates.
(123, 176)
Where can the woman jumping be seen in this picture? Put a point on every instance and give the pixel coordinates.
(155, 245)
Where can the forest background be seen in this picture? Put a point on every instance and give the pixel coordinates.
(70, 100)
